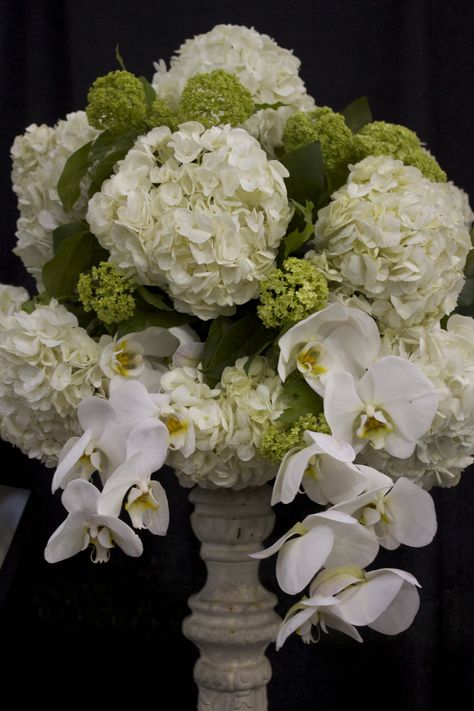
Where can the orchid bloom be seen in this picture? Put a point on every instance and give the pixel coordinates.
(147, 505)
(100, 447)
(391, 406)
(324, 468)
(399, 513)
(385, 600)
(334, 339)
(330, 538)
(190, 349)
(84, 526)
(137, 355)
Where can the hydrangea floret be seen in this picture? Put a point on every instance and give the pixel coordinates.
(292, 293)
(108, 292)
(215, 98)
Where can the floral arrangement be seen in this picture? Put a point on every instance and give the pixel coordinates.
(246, 286)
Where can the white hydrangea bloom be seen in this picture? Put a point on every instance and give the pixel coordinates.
(228, 423)
(11, 299)
(198, 212)
(398, 239)
(38, 158)
(48, 364)
(268, 71)
(447, 359)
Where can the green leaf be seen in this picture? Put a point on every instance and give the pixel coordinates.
(357, 114)
(469, 268)
(154, 299)
(298, 237)
(64, 231)
(119, 58)
(150, 93)
(69, 184)
(306, 181)
(39, 300)
(76, 254)
(277, 105)
(229, 340)
(302, 400)
(112, 148)
(466, 299)
(144, 317)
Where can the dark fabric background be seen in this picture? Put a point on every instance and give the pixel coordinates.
(72, 627)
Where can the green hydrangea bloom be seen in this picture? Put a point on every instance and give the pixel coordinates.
(292, 293)
(117, 101)
(381, 138)
(108, 292)
(276, 442)
(323, 125)
(161, 115)
(215, 98)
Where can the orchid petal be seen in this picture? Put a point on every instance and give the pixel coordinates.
(342, 404)
(301, 558)
(68, 539)
(407, 395)
(70, 455)
(80, 495)
(150, 439)
(400, 613)
(339, 625)
(123, 478)
(290, 474)
(414, 514)
(275, 547)
(93, 412)
(292, 624)
(122, 535)
(155, 341)
(364, 603)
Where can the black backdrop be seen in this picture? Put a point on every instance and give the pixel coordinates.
(70, 627)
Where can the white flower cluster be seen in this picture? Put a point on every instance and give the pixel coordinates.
(398, 239)
(38, 158)
(48, 364)
(268, 71)
(228, 423)
(447, 358)
(199, 212)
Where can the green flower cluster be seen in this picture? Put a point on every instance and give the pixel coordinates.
(117, 101)
(292, 293)
(215, 98)
(276, 442)
(108, 292)
(323, 125)
(381, 138)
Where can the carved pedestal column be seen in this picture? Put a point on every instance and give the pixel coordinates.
(232, 620)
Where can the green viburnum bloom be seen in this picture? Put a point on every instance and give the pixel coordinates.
(215, 98)
(323, 125)
(292, 293)
(161, 115)
(276, 442)
(117, 101)
(381, 138)
(108, 292)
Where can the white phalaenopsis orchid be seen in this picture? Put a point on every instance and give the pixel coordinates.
(385, 600)
(139, 355)
(147, 505)
(391, 406)
(85, 526)
(101, 448)
(399, 513)
(334, 339)
(324, 468)
(330, 538)
(190, 349)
